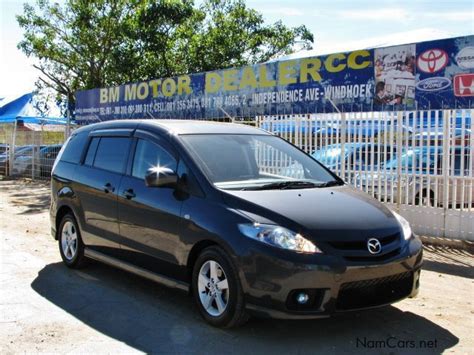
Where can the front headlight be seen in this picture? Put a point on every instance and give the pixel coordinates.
(278, 237)
(406, 229)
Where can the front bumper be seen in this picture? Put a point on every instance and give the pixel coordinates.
(270, 283)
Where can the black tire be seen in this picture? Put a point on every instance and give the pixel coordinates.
(78, 260)
(235, 313)
(424, 194)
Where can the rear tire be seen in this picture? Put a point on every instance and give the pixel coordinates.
(217, 290)
(425, 198)
(70, 243)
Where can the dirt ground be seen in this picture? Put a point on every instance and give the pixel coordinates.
(47, 308)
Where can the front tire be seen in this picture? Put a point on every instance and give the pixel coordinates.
(425, 198)
(217, 290)
(70, 243)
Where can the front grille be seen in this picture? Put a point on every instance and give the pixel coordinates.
(357, 250)
(374, 292)
(371, 257)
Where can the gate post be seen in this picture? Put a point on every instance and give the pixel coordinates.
(12, 150)
(399, 158)
(343, 144)
(446, 147)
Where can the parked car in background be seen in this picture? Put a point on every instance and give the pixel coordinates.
(421, 177)
(25, 158)
(47, 156)
(4, 148)
(4, 159)
(432, 137)
(358, 156)
(5, 165)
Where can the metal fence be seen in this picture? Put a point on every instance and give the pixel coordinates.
(420, 163)
(29, 151)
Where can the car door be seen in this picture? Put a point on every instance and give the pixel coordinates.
(98, 181)
(149, 217)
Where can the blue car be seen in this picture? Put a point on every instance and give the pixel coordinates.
(358, 156)
(422, 178)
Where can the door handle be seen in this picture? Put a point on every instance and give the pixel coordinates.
(108, 188)
(129, 194)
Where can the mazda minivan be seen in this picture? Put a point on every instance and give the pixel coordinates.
(243, 220)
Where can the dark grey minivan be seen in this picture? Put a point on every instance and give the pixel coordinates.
(245, 221)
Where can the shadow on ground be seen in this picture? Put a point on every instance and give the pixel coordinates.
(32, 196)
(152, 318)
(452, 261)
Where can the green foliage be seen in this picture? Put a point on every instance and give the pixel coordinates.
(95, 43)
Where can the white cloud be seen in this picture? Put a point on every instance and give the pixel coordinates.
(398, 14)
(283, 11)
(330, 46)
(451, 16)
(382, 14)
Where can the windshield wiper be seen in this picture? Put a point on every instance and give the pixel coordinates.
(330, 183)
(282, 185)
(298, 184)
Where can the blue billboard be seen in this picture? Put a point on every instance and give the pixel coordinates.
(427, 75)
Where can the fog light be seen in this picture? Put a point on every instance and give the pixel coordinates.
(302, 298)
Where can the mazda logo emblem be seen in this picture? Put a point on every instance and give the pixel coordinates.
(374, 246)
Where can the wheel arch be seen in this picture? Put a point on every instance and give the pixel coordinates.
(62, 211)
(195, 251)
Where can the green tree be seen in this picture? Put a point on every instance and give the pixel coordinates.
(85, 44)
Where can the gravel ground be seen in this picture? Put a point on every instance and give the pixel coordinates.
(47, 308)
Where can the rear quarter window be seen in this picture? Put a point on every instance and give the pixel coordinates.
(73, 150)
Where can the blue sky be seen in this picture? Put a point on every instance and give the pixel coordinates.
(336, 24)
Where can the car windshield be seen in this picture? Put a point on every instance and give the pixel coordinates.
(408, 160)
(250, 162)
(332, 153)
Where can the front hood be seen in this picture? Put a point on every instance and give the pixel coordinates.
(335, 213)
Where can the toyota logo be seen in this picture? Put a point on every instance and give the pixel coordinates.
(374, 246)
(432, 60)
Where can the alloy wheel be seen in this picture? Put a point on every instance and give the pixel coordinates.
(213, 288)
(69, 241)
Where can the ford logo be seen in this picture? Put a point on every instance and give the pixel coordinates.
(437, 83)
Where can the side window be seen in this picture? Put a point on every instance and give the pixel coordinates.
(112, 153)
(89, 160)
(149, 155)
(73, 150)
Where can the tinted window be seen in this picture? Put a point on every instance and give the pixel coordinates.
(74, 148)
(248, 161)
(112, 153)
(91, 151)
(149, 155)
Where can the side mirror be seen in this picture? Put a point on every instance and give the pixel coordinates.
(161, 177)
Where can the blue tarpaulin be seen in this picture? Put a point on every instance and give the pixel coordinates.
(20, 110)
